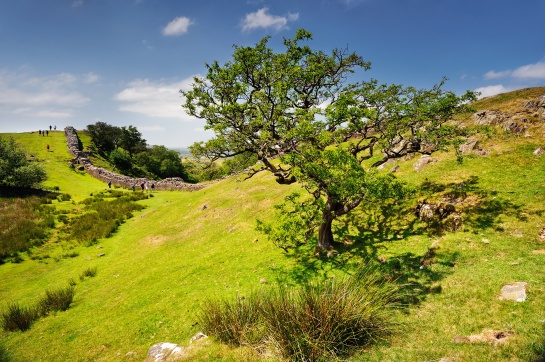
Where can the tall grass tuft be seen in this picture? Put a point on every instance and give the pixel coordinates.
(324, 320)
(237, 322)
(56, 300)
(328, 319)
(89, 272)
(18, 318)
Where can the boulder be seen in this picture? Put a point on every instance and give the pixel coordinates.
(539, 151)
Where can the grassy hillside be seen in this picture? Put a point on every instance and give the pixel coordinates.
(186, 247)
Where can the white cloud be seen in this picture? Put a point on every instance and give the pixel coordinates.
(529, 71)
(77, 3)
(91, 78)
(155, 99)
(178, 26)
(495, 75)
(42, 97)
(491, 90)
(351, 3)
(262, 19)
(534, 71)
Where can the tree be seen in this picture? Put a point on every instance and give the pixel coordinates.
(104, 136)
(15, 169)
(131, 140)
(273, 105)
(162, 162)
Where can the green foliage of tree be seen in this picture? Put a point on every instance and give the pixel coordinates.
(104, 136)
(120, 160)
(131, 140)
(272, 105)
(162, 162)
(15, 169)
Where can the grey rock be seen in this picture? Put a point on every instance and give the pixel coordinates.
(423, 161)
(539, 151)
(514, 291)
(164, 351)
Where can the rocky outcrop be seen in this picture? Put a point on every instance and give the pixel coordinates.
(82, 159)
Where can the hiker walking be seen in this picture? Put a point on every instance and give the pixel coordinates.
(109, 184)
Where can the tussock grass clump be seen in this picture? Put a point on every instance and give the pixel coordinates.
(56, 300)
(89, 272)
(327, 319)
(237, 322)
(18, 318)
(323, 320)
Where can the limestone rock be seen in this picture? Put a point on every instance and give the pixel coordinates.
(198, 336)
(539, 151)
(514, 291)
(488, 118)
(423, 161)
(469, 146)
(514, 127)
(164, 351)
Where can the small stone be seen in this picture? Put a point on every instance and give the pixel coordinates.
(164, 351)
(514, 291)
(102, 254)
(539, 151)
(486, 241)
(198, 336)
(263, 280)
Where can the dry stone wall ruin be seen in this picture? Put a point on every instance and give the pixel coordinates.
(82, 159)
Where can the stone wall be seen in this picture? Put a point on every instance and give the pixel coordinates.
(81, 158)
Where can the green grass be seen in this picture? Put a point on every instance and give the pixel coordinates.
(173, 256)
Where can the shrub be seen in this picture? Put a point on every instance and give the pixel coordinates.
(18, 318)
(56, 300)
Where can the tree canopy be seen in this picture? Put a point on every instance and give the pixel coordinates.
(295, 111)
(15, 169)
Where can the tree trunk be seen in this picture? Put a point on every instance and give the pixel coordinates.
(325, 235)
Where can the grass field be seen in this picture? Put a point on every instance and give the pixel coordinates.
(187, 247)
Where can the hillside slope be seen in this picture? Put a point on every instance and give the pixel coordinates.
(186, 247)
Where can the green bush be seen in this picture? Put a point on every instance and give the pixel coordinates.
(18, 318)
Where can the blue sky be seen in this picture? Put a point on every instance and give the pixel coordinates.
(77, 62)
